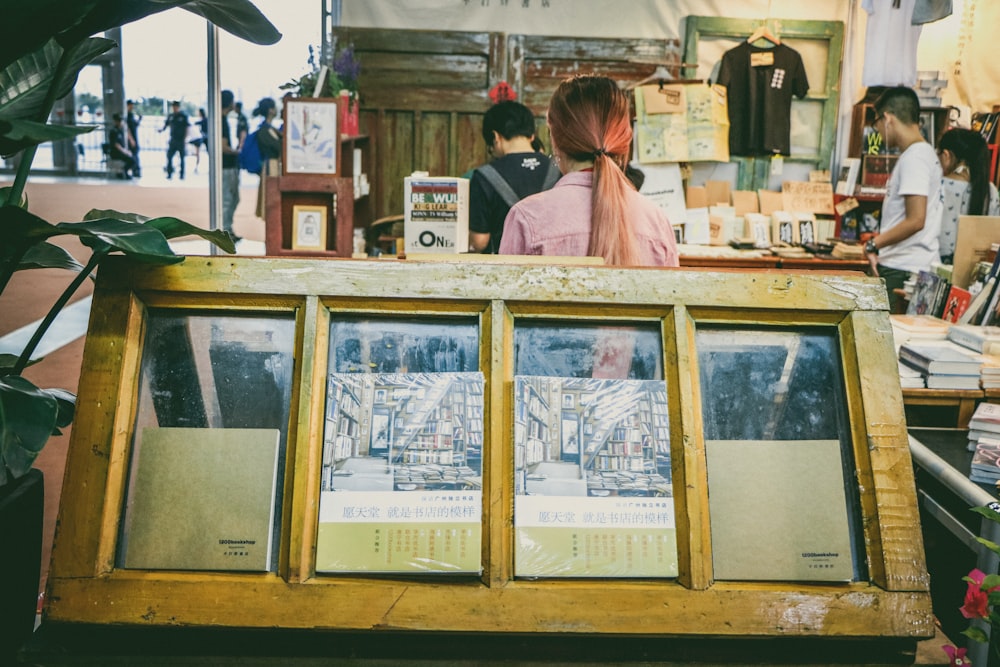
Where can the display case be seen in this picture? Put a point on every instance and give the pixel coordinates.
(450, 447)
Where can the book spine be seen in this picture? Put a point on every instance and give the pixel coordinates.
(914, 359)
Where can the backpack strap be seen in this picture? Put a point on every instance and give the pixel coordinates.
(552, 175)
(501, 186)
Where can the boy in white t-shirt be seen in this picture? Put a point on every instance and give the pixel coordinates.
(911, 211)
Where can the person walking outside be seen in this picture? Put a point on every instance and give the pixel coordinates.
(177, 122)
(230, 168)
(132, 120)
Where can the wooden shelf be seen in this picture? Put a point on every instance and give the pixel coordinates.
(335, 193)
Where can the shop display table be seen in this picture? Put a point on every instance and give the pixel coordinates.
(964, 400)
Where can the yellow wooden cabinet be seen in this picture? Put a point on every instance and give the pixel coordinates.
(802, 362)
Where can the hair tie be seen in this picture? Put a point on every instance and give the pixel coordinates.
(600, 151)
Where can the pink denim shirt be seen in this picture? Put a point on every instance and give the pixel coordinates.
(557, 222)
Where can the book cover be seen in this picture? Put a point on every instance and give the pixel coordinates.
(778, 510)
(436, 214)
(938, 358)
(848, 179)
(202, 499)
(974, 337)
(956, 303)
(986, 417)
(401, 480)
(925, 294)
(592, 478)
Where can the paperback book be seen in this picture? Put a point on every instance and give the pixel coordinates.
(985, 467)
(592, 478)
(201, 499)
(401, 477)
(755, 499)
(975, 337)
(938, 358)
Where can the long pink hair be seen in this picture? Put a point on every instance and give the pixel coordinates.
(589, 119)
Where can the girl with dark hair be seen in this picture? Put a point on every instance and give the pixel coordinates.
(594, 209)
(966, 187)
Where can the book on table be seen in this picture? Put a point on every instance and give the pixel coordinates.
(910, 378)
(975, 337)
(939, 358)
(985, 418)
(944, 381)
(985, 466)
(956, 303)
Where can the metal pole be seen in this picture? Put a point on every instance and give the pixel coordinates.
(214, 134)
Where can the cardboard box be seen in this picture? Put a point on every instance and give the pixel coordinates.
(436, 214)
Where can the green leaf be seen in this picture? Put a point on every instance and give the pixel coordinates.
(976, 634)
(24, 84)
(173, 228)
(27, 417)
(991, 511)
(991, 581)
(47, 255)
(992, 546)
(140, 242)
(237, 17)
(16, 135)
(5, 195)
(66, 401)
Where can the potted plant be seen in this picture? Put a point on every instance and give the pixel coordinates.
(46, 44)
(338, 81)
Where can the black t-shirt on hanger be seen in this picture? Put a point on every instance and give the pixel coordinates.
(760, 83)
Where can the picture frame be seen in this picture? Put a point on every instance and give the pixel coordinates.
(927, 127)
(312, 137)
(849, 171)
(309, 227)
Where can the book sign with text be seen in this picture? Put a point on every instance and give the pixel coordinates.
(435, 214)
(401, 487)
(592, 478)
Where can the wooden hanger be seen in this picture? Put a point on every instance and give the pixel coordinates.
(763, 33)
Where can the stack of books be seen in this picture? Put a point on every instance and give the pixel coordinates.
(984, 340)
(942, 364)
(984, 440)
(906, 328)
(985, 422)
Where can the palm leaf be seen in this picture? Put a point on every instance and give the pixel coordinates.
(140, 242)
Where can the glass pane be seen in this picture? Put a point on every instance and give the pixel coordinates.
(592, 475)
(209, 451)
(780, 464)
(401, 487)
(588, 350)
(382, 345)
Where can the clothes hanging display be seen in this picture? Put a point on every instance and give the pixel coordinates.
(760, 84)
(890, 43)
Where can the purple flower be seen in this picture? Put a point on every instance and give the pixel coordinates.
(347, 67)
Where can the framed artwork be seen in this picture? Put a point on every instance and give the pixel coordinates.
(312, 139)
(309, 228)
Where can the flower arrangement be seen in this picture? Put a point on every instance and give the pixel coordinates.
(342, 75)
(981, 597)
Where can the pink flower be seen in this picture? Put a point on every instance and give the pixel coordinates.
(976, 599)
(956, 656)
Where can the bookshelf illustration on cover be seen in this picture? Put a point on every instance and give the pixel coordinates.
(399, 491)
(593, 492)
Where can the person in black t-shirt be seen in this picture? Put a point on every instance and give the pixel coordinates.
(177, 122)
(518, 169)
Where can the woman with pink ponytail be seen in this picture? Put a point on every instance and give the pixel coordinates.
(593, 209)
